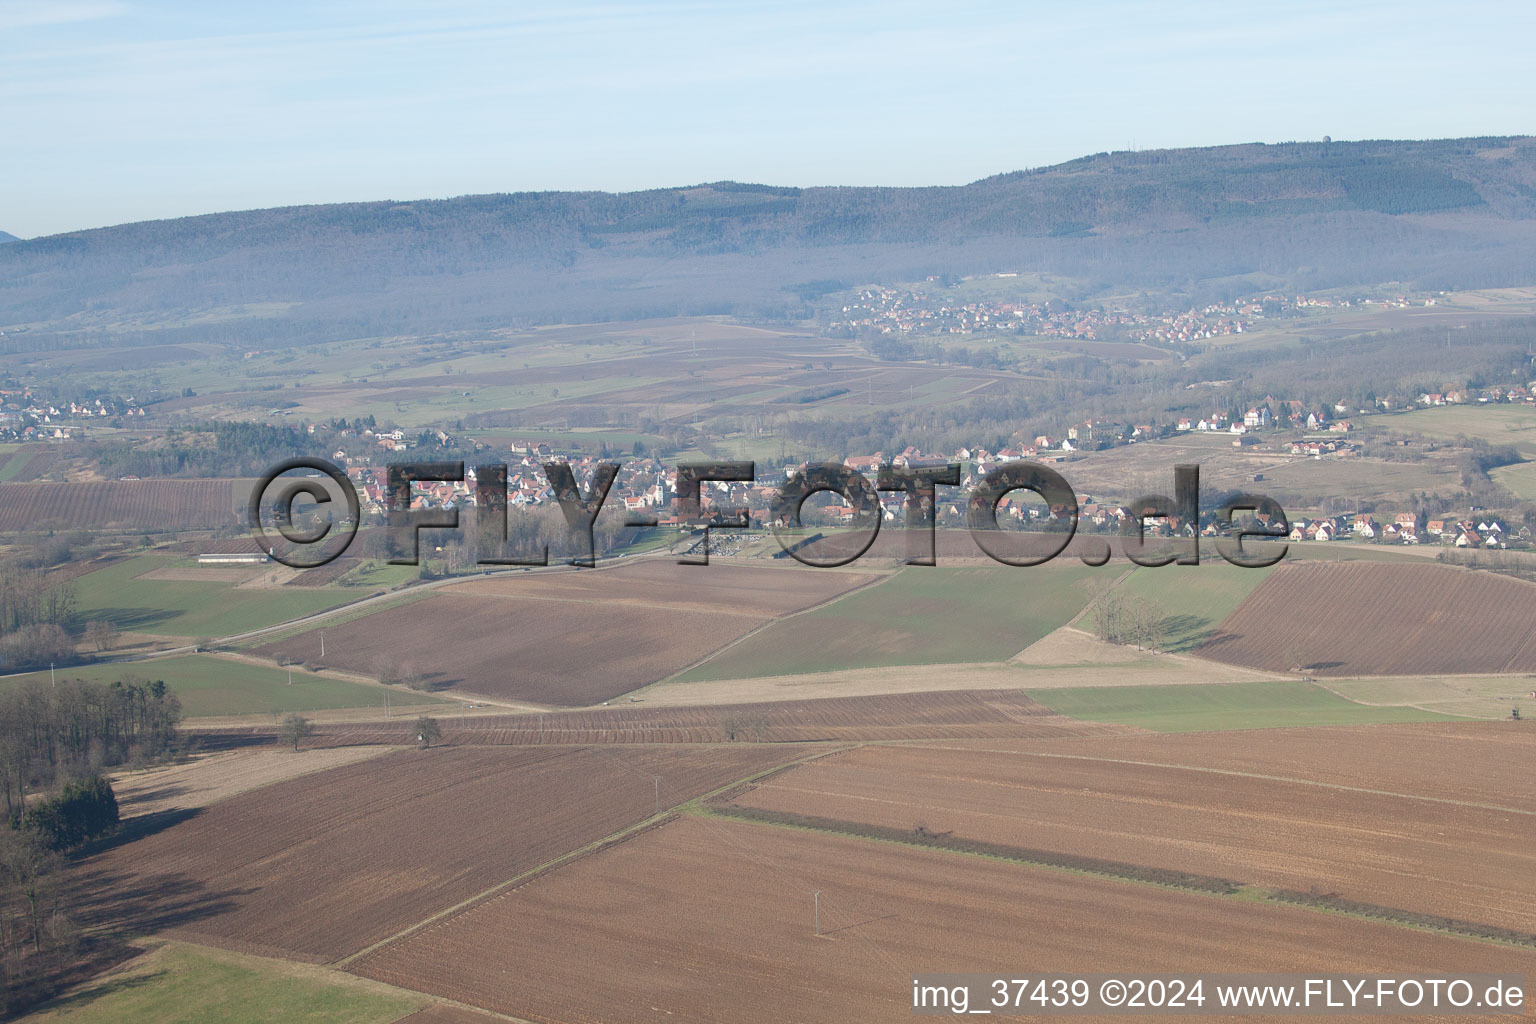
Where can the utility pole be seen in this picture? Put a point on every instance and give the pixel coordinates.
(656, 783)
(53, 680)
(816, 904)
(290, 675)
(541, 727)
(386, 703)
(322, 644)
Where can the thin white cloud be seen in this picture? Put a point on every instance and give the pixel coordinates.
(19, 14)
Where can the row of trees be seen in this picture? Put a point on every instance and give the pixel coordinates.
(38, 941)
(53, 740)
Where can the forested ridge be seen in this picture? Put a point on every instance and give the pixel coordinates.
(1450, 213)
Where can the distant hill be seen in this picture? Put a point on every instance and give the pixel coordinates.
(6, 236)
(1205, 222)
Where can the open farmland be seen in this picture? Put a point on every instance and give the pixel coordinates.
(128, 595)
(322, 866)
(29, 462)
(571, 638)
(1409, 758)
(1392, 849)
(122, 505)
(1494, 697)
(1199, 707)
(1496, 424)
(924, 616)
(759, 592)
(707, 920)
(208, 778)
(1381, 618)
(945, 715)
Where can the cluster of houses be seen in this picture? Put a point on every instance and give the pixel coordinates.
(1090, 434)
(903, 311)
(25, 416)
(1483, 396)
(1407, 528)
(646, 488)
(898, 311)
(643, 485)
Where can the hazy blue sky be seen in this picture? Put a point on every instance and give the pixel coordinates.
(120, 110)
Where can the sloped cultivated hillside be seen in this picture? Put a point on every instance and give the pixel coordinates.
(1375, 618)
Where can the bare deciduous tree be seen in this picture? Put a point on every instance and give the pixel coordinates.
(101, 634)
(296, 729)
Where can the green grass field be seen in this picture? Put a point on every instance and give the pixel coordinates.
(209, 686)
(1519, 479)
(1205, 707)
(193, 609)
(181, 984)
(922, 616)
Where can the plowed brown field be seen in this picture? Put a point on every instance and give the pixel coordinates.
(1464, 762)
(122, 504)
(1471, 863)
(573, 638)
(757, 591)
(704, 920)
(320, 867)
(1381, 618)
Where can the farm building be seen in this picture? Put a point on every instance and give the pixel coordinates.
(233, 558)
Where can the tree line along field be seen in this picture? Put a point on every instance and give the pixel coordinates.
(1470, 860)
(210, 686)
(320, 867)
(126, 594)
(953, 714)
(705, 919)
(1381, 618)
(122, 505)
(569, 638)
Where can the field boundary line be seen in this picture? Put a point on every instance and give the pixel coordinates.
(1182, 881)
(1250, 775)
(1237, 891)
(596, 846)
